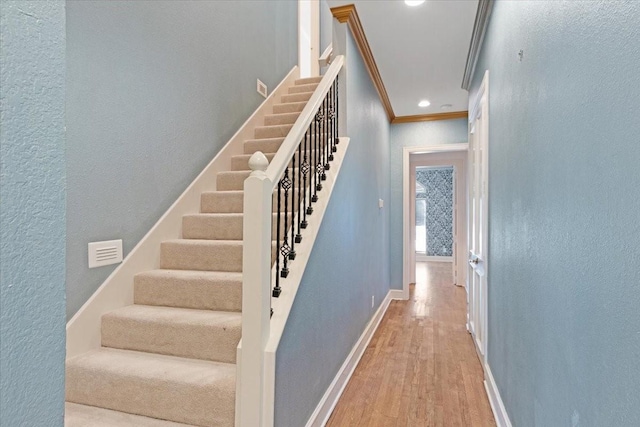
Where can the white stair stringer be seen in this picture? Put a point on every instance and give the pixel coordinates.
(167, 341)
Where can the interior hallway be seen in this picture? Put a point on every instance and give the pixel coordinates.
(420, 368)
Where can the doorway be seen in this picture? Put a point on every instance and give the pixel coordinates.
(443, 162)
(308, 37)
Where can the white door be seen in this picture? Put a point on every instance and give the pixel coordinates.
(478, 224)
(308, 37)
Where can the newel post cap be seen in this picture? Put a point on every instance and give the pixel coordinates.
(258, 163)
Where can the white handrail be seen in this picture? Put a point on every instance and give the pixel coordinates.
(257, 255)
(290, 144)
(325, 58)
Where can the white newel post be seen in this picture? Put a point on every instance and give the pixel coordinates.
(256, 290)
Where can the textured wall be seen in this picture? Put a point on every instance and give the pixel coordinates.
(349, 262)
(326, 25)
(32, 213)
(413, 135)
(438, 216)
(564, 323)
(155, 89)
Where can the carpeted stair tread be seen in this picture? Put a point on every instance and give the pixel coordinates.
(202, 290)
(275, 131)
(225, 226)
(195, 254)
(234, 180)
(222, 201)
(183, 332)
(290, 107)
(188, 391)
(281, 119)
(309, 80)
(203, 255)
(266, 145)
(228, 201)
(240, 162)
(296, 97)
(76, 415)
(303, 88)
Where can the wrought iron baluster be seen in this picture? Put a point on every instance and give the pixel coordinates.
(332, 145)
(306, 168)
(277, 290)
(292, 252)
(319, 162)
(285, 249)
(314, 156)
(327, 148)
(337, 84)
(302, 215)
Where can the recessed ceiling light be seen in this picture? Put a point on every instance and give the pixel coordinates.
(413, 2)
(446, 106)
(424, 103)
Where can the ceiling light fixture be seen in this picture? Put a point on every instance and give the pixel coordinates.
(413, 2)
(424, 103)
(446, 106)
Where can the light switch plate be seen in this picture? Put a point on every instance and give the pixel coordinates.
(380, 203)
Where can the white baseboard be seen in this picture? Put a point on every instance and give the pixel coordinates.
(398, 294)
(425, 258)
(328, 402)
(497, 406)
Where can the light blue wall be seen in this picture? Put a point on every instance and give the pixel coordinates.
(349, 262)
(564, 197)
(413, 135)
(32, 213)
(155, 89)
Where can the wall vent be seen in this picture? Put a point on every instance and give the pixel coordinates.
(105, 253)
(262, 88)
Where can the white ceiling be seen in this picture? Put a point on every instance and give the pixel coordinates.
(420, 51)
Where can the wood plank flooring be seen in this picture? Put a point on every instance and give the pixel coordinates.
(420, 368)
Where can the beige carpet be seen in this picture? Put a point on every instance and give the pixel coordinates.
(169, 360)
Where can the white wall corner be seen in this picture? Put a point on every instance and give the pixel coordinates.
(495, 400)
(398, 294)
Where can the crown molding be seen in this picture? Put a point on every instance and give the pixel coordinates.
(348, 14)
(479, 28)
(430, 117)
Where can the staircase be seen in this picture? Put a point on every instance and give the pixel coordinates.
(169, 359)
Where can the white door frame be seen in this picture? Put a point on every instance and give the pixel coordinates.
(308, 37)
(481, 108)
(408, 252)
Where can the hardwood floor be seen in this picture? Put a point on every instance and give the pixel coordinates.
(420, 368)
